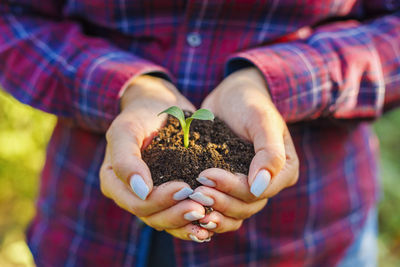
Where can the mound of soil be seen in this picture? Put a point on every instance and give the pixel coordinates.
(212, 144)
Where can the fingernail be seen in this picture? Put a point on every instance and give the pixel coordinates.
(206, 181)
(209, 226)
(193, 216)
(195, 239)
(202, 199)
(139, 186)
(183, 194)
(208, 239)
(261, 183)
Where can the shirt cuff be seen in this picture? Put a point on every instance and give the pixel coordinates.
(102, 81)
(297, 90)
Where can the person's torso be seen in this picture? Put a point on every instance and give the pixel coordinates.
(309, 223)
(193, 39)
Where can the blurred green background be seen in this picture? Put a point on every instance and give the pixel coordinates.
(24, 133)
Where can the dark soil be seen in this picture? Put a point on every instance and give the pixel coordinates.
(212, 144)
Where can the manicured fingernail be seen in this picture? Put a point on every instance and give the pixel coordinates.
(206, 181)
(139, 186)
(261, 183)
(193, 216)
(208, 239)
(183, 194)
(202, 199)
(209, 226)
(195, 239)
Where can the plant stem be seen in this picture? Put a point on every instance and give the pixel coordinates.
(186, 138)
(186, 129)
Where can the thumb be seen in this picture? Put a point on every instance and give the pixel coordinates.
(269, 158)
(125, 140)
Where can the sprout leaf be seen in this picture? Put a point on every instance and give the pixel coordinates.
(203, 114)
(176, 112)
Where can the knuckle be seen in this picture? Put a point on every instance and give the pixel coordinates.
(242, 215)
(296, 161)
(295, 178)
(174, 224)
(138, 209)
(237, 225)
(103, 184)
(250, 198)
(228, 188)
(222, 206)
(169, 222)
(158, 203)
(103, 188)
(296, 172)
(278, 158)
(109, 133)
(122, 167)
(248, 212)
(190, 205)
(220, 228)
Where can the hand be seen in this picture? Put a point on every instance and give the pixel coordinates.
(125, 177)
(243, 102)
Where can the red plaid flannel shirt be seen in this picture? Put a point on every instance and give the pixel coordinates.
(330, 66)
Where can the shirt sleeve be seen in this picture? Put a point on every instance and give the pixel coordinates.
(344, 70)
(50, 64)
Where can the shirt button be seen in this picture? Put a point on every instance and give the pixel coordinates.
(193, 39)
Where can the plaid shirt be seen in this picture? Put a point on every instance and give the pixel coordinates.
(330, 66)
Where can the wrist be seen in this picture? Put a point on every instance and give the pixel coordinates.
(148, 87)
(246, 77)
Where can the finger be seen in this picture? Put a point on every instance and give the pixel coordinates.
(218, 223)
(225, 204)
(124, 142)
(117, 190)
(176, 216)
(235, 185)
(267, 135)
(161, 198)
(165, 196)
(289, 175)
(191, 232)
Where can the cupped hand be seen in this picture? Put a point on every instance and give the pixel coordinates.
(125, 177)
(243, 102)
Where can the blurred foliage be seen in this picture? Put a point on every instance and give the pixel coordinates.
(24, 134)
(388, 131)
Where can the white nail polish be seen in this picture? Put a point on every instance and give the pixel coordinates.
(205, 181)
(202, 199)
(182, 194)
(139, 186)
(193, 216)
(209, 226)
(261, 183)
(195, 239)
(208, 239)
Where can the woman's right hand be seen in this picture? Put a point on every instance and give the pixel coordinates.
(125, 177)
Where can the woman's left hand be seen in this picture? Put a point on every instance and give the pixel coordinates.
(243, 102)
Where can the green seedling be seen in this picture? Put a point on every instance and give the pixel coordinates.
(201, 114)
